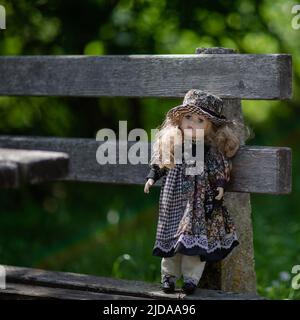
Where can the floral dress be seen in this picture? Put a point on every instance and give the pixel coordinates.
(191, 221)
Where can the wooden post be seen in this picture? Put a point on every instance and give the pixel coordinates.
(236, 272)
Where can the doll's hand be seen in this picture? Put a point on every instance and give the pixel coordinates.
(221, 193)
(148, 184)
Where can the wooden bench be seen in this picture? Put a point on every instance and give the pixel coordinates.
(256, 169)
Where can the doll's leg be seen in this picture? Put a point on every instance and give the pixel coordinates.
(192, 268)
(171, 267)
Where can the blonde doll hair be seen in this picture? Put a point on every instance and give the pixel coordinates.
(223, 137)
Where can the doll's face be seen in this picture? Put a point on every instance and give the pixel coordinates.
(195, 121)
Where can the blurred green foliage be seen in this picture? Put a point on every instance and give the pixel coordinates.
(109, 229)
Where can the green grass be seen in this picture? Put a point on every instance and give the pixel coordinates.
(276, 243)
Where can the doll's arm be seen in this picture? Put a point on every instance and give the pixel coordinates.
(223, 172)
(156, 172)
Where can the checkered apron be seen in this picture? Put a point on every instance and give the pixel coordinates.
(170, 204)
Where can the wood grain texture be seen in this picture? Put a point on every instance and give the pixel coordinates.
(108, 286)
(18, 291)
(30, 166)
(256, 169)
(243, 76)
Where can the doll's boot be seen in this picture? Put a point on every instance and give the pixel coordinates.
(168, 284)
(189, 286)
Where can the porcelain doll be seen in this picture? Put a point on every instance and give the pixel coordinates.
(194, 226)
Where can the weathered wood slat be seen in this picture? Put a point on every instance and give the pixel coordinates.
(30, 166)
(18, 291)
(243, 76)
(110, 286)
(256, 169)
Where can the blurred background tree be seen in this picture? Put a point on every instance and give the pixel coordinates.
(109, 229)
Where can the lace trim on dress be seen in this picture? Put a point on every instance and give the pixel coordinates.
(190, 241)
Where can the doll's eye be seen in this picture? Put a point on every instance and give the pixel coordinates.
(200, 120)
(187, 116)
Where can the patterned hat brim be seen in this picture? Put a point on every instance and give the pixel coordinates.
(175, 111)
